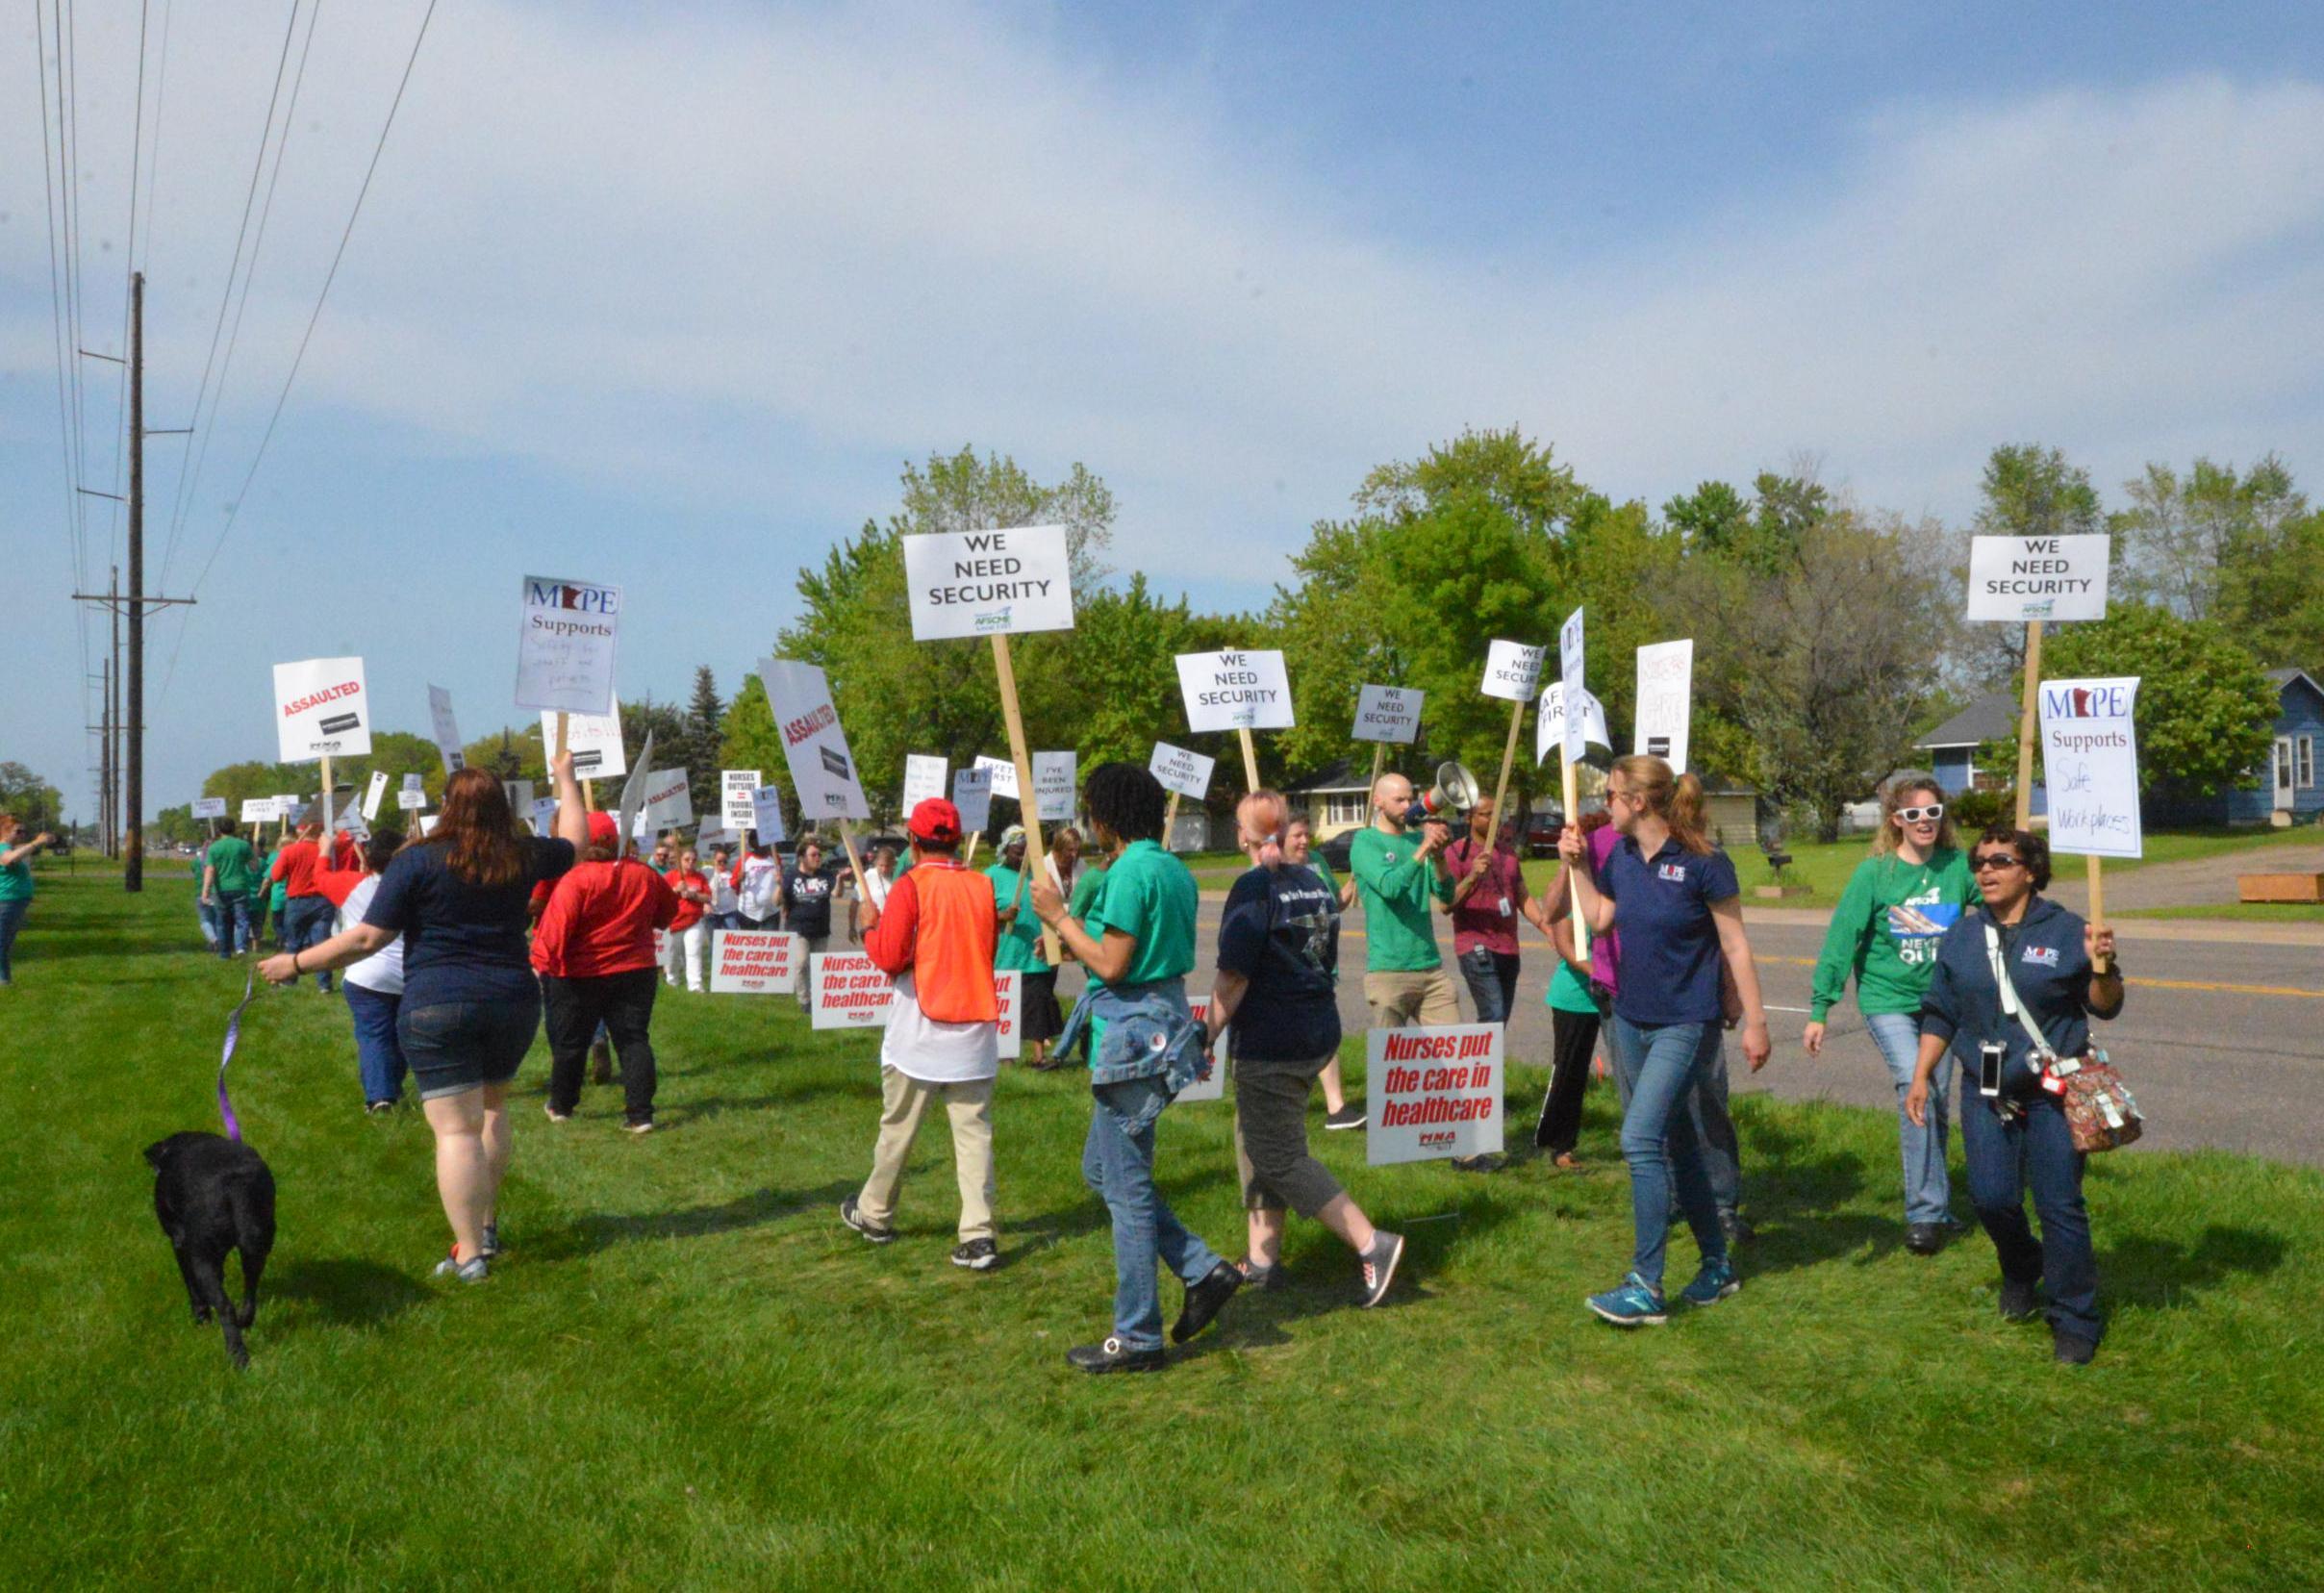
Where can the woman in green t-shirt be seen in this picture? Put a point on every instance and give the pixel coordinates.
(15, 885)
(1019, 948)
(1884, 933)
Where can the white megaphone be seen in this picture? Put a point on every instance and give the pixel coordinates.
(1456, 791)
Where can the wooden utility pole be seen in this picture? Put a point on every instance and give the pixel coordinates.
(133, 870)
(112, 719)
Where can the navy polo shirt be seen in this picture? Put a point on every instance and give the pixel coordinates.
(1670, 944)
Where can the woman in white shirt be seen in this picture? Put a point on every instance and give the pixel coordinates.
(375, 984)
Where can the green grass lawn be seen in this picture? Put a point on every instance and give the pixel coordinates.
(687, 1372)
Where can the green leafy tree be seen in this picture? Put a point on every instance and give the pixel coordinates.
(2245, 549)
(2206, 713)
(2028, 491)
(35, 803)
(704, 715)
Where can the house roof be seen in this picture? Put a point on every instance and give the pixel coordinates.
(1340, 775)
(2286, 677)
(1992, 717)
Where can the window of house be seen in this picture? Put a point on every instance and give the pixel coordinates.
(2305, 764)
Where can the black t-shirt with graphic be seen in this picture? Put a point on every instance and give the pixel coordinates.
(1281, 931)
(807, 900)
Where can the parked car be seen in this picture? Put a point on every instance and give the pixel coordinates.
(1542, 830)
(1334, 851)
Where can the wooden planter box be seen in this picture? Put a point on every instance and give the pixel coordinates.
(1777, 893)
(2281, 887)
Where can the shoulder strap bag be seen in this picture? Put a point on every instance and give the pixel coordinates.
(2101, 1112)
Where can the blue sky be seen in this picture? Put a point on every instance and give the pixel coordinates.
(665, 296)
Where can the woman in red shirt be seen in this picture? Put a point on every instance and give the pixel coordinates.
(689, 933)
(594, 950)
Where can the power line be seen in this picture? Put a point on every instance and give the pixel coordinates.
(348, 232)
(257, 165)
(67, 357)
(137, 150)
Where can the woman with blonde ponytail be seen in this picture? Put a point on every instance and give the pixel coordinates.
(1674, 894)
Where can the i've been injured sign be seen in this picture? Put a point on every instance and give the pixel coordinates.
(1435, 1092)
(989, 583)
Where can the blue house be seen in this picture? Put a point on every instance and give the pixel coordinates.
(2286, 783)
(1952, 746)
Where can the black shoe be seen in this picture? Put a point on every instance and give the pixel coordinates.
(1737, 1230)
(2018, 1301)
(1113, 1355)
(978, 1255)
(2072, 1349)
(1487, 1163)
(1204, 1301)
(1350, 1116)
(1923, 1238)
(856, 1220)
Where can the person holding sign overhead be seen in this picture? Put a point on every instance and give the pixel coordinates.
(470, 1004)
(1896, 907)
(1145, 1046)
(594, 950)
(1673, 891)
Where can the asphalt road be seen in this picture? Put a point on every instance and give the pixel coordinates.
(2221, 1040)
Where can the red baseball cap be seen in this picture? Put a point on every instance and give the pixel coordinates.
(935, 820)
(602, 830)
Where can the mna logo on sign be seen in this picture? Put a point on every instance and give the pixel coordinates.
(581, 599)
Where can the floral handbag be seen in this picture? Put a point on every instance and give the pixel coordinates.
(2101, 1112)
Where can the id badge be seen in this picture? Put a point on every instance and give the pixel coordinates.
(1504, 906)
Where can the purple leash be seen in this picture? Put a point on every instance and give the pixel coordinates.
(234, 1032)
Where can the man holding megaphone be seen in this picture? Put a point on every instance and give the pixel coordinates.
(1405, 978)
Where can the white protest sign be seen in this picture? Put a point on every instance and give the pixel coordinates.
(736, 810)
(924, 778)
(1008, 1033)
(1569, 669)
(767, 815)
(1548, 730)
(1188, 773)
(633, 792)
(822, 770)
(411, 801)
(565, 648)
(2089, 765)
(1054, 786)
(413, 782)
(350, 821)
(210, 807)
(1666, 687)
(427, 823)
(1235, 690)
(258, 810)
(1435, 1092)
(847, 990)
(289, 807)
(973, 796)
(446, 730)
(2022, 578)
(594, 740)
(669, 799)
(542, 813)
(321, 711)
(1213, 1088)
(1512, 671)
(1002, 773)
(1387, 714)
(754, 962)
(989, 583)
(378, 788)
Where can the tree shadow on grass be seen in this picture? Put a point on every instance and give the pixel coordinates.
(1797, 1189)
(678, 1113)
(599, 1230)
(349, 1292)
(2165, 1273)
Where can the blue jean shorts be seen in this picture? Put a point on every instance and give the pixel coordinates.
(454, 1047)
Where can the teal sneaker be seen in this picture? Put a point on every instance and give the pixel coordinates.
(1637, 1304)
(1714, 1283)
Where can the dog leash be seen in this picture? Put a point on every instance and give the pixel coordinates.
(234, 1032)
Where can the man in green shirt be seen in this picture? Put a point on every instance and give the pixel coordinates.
(1405, 978)
(1138, 944)
(229, 870)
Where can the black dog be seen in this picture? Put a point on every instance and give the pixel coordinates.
(216, 1195)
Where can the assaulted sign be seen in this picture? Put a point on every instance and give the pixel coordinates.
(822, 770)
(321, 711)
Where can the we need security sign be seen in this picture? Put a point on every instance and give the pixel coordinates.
(565, 647)
(1235, 690)
(2022, 578)
(2089, 765)
(320, 709)
(1387, 714)
(989, 583)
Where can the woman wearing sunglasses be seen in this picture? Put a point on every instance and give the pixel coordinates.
(1898, 905)
(2041, 958)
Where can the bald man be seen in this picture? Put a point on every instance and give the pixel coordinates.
(1395, 874)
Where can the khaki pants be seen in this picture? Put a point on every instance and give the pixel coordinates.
(1398, 999)
(970, 1106)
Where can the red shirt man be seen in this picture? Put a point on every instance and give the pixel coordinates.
(601, 917)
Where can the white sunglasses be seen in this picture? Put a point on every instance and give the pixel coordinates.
(1929, 815)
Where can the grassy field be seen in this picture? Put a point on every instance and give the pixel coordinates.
(687, 1373)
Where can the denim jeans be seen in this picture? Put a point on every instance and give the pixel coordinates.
(378, 1053)
(1492, 979)
(12, 919)
(1928, 1190)
(229, 921)
(1665, 1063)
(1714, 1126)
(307, 921)
(2038, 1149)
(1117, 1162)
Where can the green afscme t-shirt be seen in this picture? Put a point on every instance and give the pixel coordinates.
(1150, 897)
(1019, 945)
(1886, 931)
(1394, 889)
(237, 865)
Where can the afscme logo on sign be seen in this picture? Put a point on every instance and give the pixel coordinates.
(564, 594)
(2085, 703)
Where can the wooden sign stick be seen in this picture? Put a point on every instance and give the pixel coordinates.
(1170, 820)
(1029, 805)
(968, 858)
(1508, 756)
(1250, 759)
(2097, 878)
(1571, 791)
(324, 848)
(847, 838)
(2026, 723)
(1379, 757)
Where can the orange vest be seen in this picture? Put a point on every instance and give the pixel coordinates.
(956, 930)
